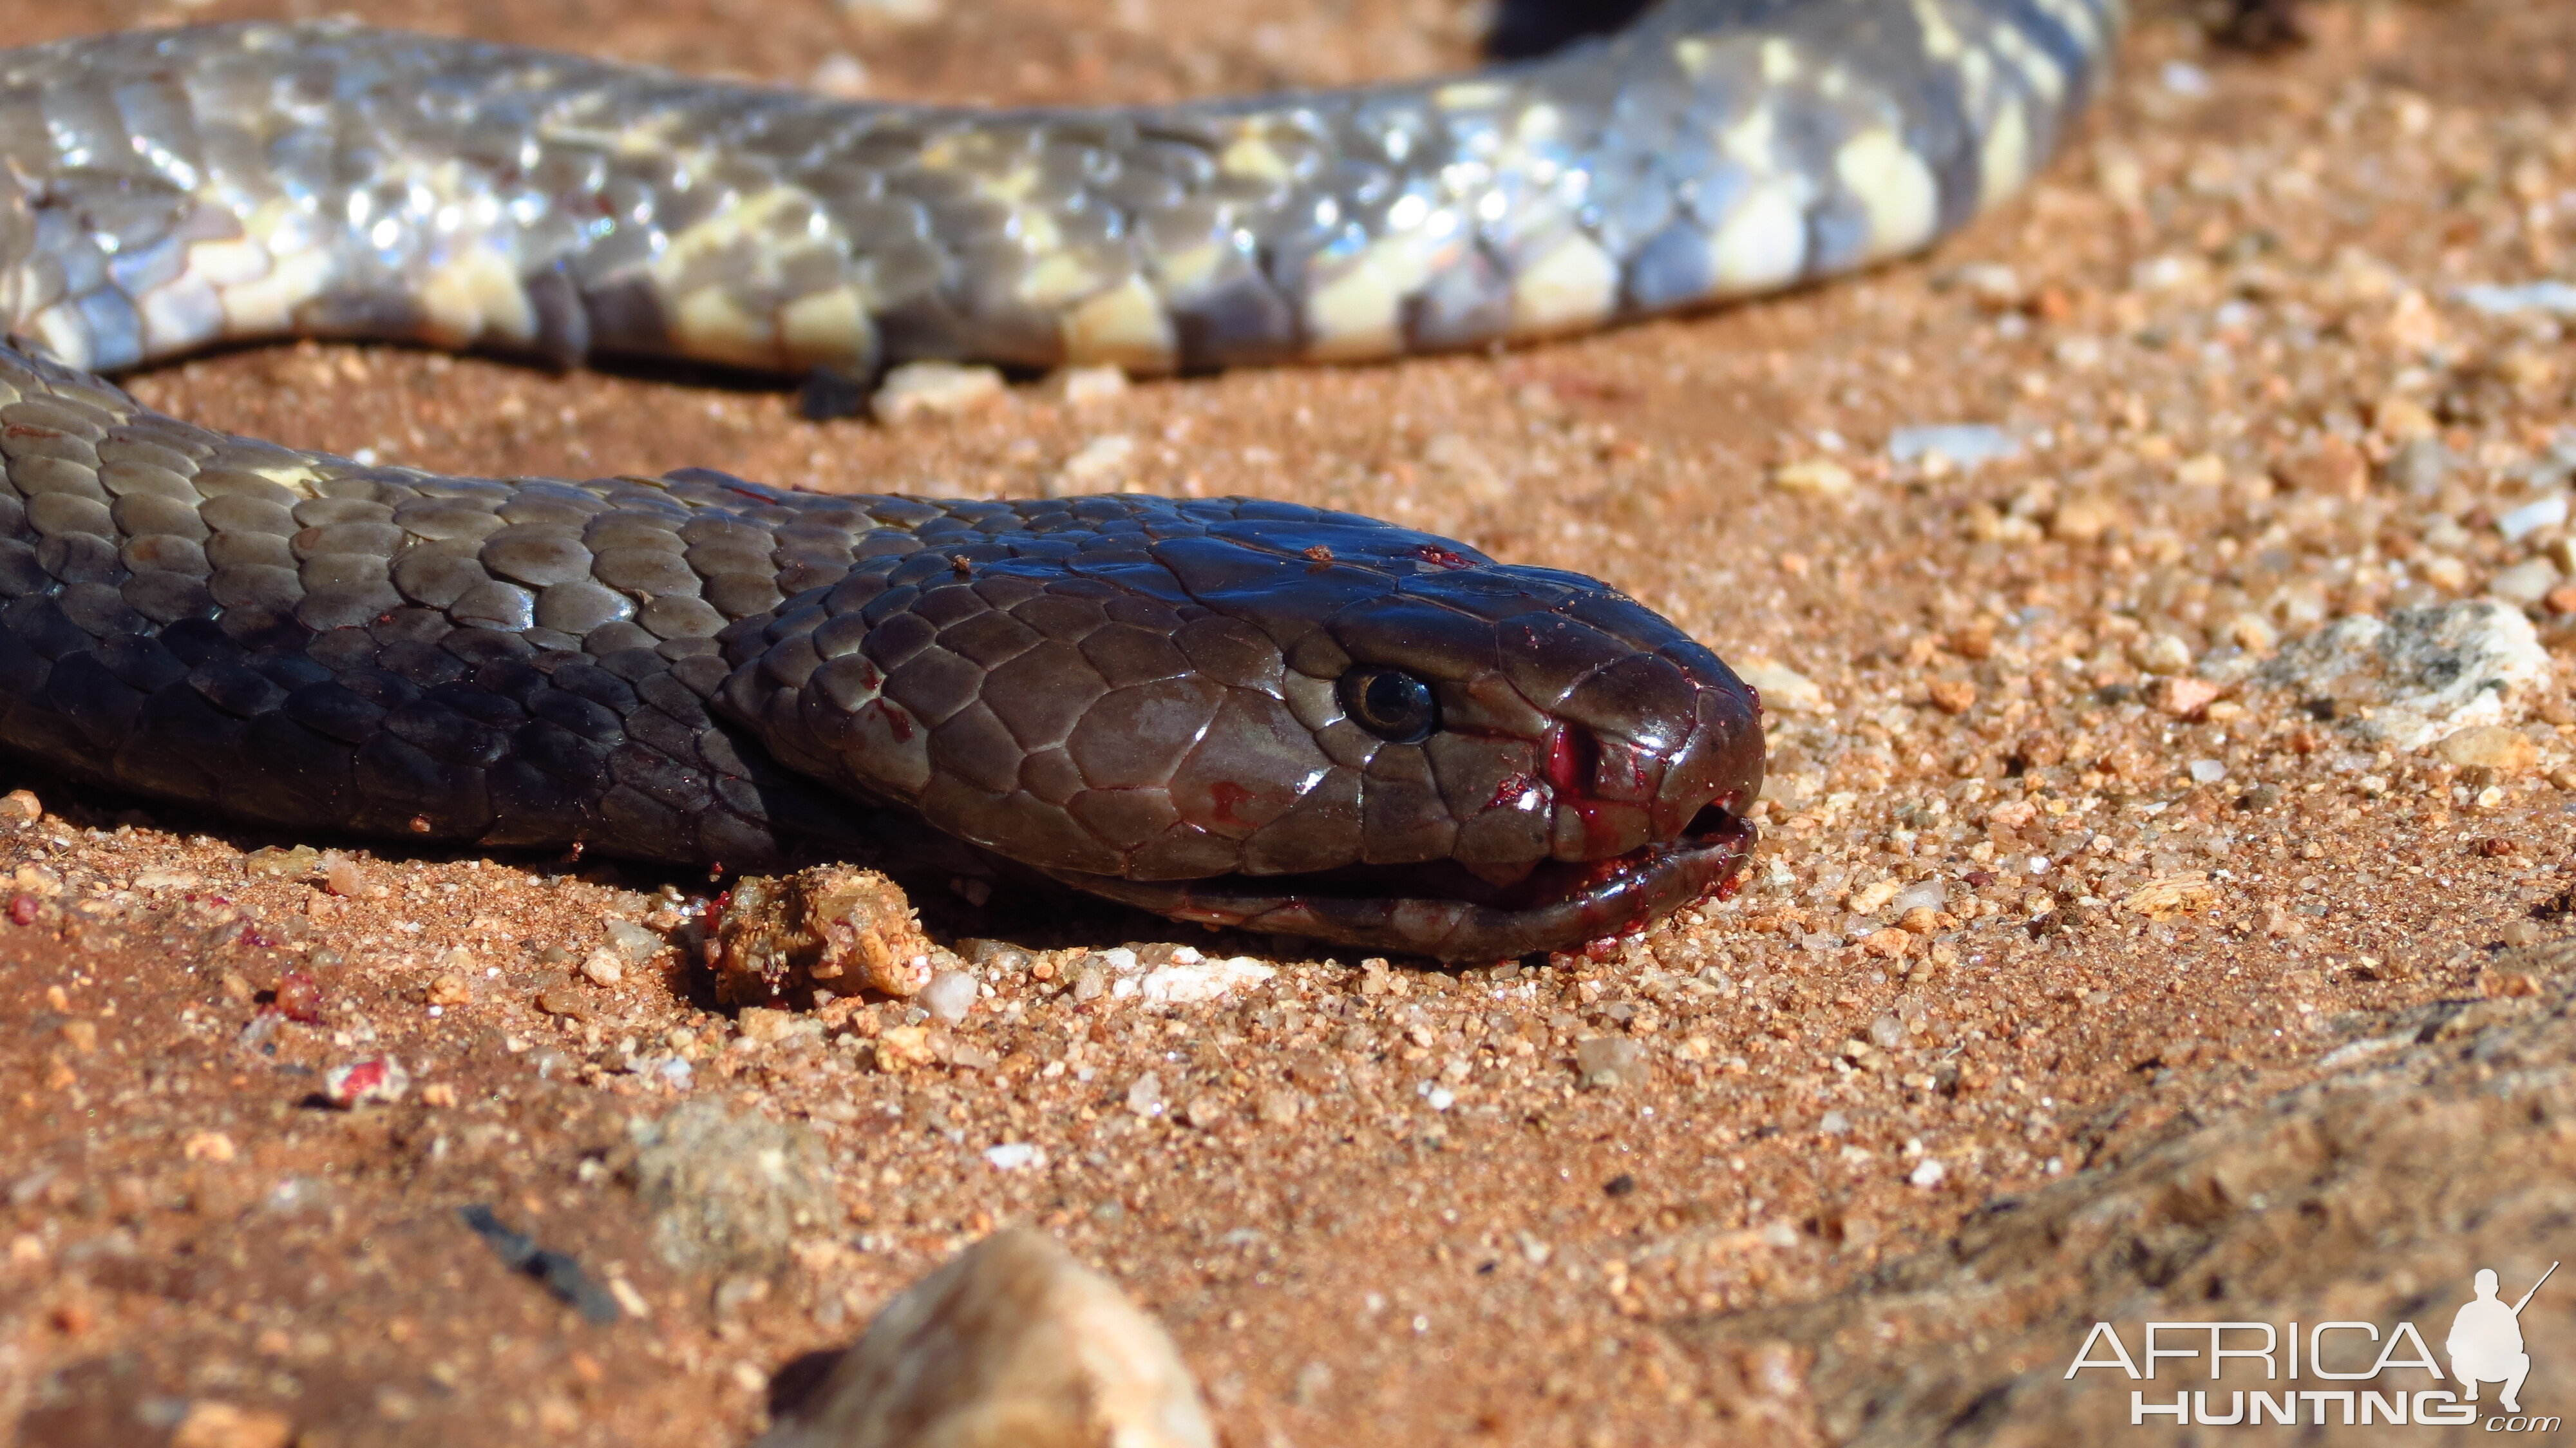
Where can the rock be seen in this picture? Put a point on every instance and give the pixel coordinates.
(1607, 1063)
(2420, 467)
(2160, 653)
(918, 390)
(1086, 386)
(2183, 698)
(2403, 419)
(2332, 468)
(1961, 445)
(1952, 696)
(2544, 298)
(2435, 1146)
(1188, 983)
(949, 996)
(2169, 895)
(635, 942)
(21, 805)
(1099, 465)
(730, 1190)
(843, 929)
(211, 1424)
(2525, 583)
(1888, 944)
(1013, 1344)
(1784, 689)
(840, 75)
(602, 967)
(904, 1048)
(1992, 284)
(2521, 522)
(2083, 520)
(1813, 478)
(274, 862)
(375, 1080)
(1145, 1095)
(2421, 673)
(2490, 747)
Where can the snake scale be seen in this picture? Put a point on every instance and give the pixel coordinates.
(1231, 711)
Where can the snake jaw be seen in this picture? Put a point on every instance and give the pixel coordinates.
(1449, 911)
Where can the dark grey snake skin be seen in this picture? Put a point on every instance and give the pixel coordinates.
(1231, 711)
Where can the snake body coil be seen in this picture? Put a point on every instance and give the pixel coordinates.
(1231, 711)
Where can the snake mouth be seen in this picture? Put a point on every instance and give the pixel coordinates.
(1445, 910)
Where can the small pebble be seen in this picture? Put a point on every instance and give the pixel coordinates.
(1013, 1155)
(895, 12)
(1087, 386)
(636, 943)
(1206, 1111)
(2490, 747)
(1928, 1173)
(949, 996)
(341, 875)
(2525, 583)
(840, 75)
(2184, 698)
(1813, 478)
(1012, 1342)
(2521, 522)
(2160, 653)
(1609, 1063)
(1190, 982)
(602, 967)
(276, 863)
(996, 955)
(21, 804)
(1784, 689)
(360, 1083)
(919, 390)
(1962, 445)
(563, 1000)
(1101, 462)
(1145, 1095)
(212, 1424)
(299, 997)
(2547, 298)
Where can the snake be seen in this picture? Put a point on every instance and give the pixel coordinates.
(1231, 711)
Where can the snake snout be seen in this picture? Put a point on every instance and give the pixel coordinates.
(1643, 748)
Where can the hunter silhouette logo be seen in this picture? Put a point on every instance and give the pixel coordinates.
(2334, 1374)
(2486, 1341)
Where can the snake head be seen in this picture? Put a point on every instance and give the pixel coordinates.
(1262, 715)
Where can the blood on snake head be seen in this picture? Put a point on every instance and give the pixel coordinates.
(1257, 714)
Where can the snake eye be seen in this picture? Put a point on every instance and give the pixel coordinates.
(1390, 703)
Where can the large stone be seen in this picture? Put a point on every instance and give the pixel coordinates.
(2420, 673)
(1013, 1344)
(728, 1189)
(2438, 1142)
